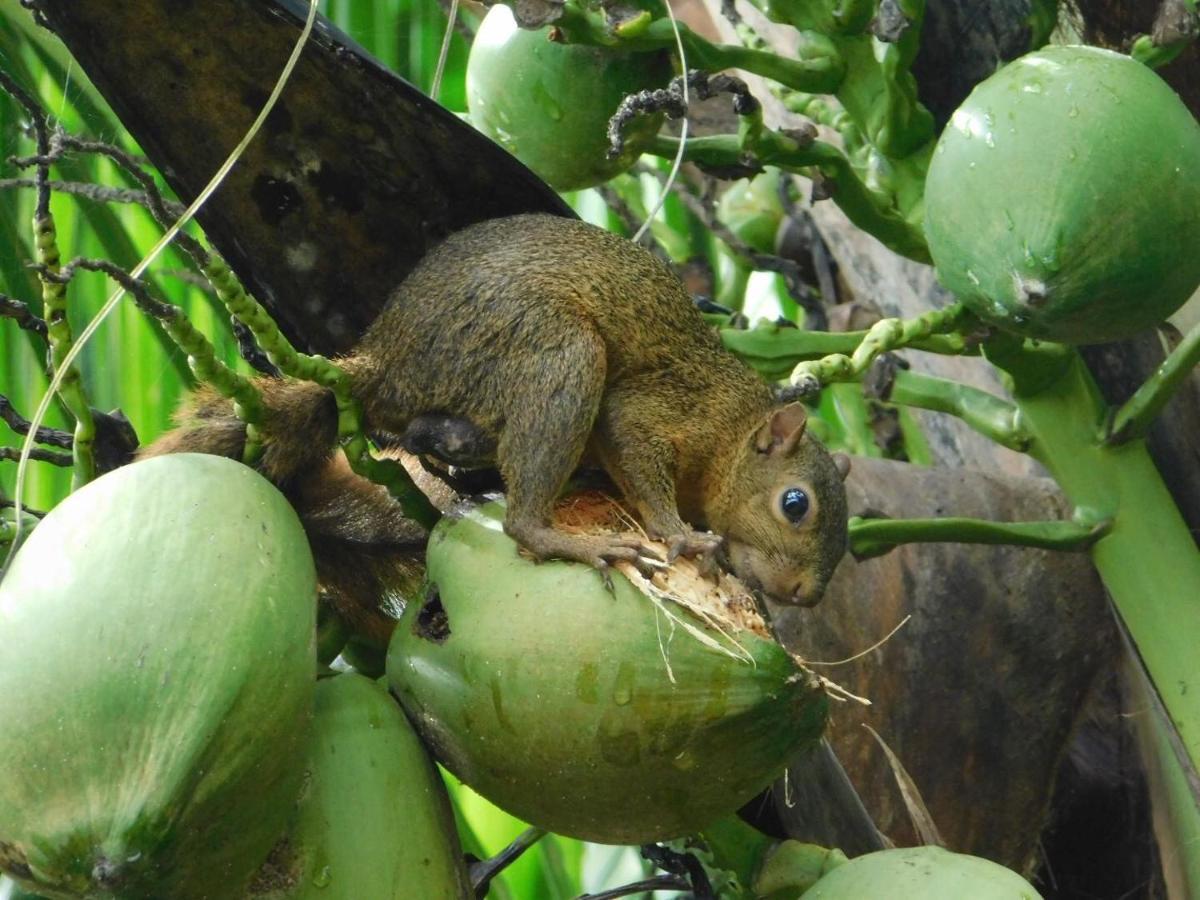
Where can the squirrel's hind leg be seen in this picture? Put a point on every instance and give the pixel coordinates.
(546, 428)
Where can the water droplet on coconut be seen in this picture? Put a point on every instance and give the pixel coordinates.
(684, 761)
(506, 140)
(547, 103)
(989, 139)
(1073, 112)
(623, 688)
(322, 877)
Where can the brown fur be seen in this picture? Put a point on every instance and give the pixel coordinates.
(559, 340)
(370, 558)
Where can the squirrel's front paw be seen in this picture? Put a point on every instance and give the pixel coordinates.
(703, 546)
(597, 550)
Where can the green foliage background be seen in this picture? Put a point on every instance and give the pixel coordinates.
(132, 365)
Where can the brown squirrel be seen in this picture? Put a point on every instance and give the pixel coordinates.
(546, 341)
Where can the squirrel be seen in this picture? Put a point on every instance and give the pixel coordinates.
(538, 342)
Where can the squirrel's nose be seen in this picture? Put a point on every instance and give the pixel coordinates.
(804, 594)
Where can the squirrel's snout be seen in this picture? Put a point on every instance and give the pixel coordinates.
(778, 579)
(804, 596)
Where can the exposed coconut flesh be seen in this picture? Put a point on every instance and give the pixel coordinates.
(724, 602)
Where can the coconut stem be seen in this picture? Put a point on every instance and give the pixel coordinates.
(774, 352)
(1147, 560)
(1132, 420)
(884, 336)
(875, 537)
(1175, 26)
(483, 871)
(986, 413)
(870, 210)
(817, 67)
(54, 305)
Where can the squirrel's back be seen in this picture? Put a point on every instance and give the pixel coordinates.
(504, 267)
(508, 294)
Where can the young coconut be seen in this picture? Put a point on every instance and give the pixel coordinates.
(374, 820)
(624, 715)
(1061, 199)
(920, 873)
(156, 683)
(548, 103)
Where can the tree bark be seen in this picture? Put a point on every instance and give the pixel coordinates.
(977, 695)
(355, 175)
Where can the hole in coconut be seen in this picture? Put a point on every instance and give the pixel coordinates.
(432, 622)
(108, 873)
(280, 872)
(1032, 291)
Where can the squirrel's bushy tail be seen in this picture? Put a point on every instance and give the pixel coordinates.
(366, 553)
(298, 432)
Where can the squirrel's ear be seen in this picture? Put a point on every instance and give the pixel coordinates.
(842, 461)
(780, 433)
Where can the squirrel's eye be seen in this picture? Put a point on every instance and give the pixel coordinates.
(794, 503)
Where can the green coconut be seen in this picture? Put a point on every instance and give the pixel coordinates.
(606, 715)
(921, 873)
(1062, 199)
(156, 683)
(374, 820)
(548, 104)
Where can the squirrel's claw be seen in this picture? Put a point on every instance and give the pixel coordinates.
(628, 549)
(605, 571)
(705, 547)
(599, 551)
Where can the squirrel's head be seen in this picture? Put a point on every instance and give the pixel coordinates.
(784, 513)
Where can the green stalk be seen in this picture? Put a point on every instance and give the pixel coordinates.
(9, 529)
(882, 337)
(320, 370)
(58, 334)
(817, 67)
(1148, 560)
(988, 414)
(874, 537)
(204, 364)
(870, 210)
(1134, 418)
(1145, 553)
(1175, 26)
(775, 351)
